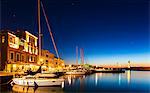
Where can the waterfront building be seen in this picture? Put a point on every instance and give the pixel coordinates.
(50, 61)
(19, 51)
(58, 62)
(47, 58)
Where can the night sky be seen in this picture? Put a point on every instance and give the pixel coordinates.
(109, 31)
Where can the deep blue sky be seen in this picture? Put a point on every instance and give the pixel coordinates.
(103, 28)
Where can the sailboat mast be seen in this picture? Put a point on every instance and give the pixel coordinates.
(39, 29)
(50, 32)
(76, 55)
(82, 56)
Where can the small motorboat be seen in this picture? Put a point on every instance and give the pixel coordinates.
(36, 81)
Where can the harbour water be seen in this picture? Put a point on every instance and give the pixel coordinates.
(128, 82)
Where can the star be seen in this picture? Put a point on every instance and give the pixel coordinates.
(14, 15)
(72, 4)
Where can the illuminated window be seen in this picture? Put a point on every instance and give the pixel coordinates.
(28, 48)
(31, 49)
(34, 51)
(11, 39)
(3, 39)
(22, 42)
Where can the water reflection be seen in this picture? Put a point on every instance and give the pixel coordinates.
(130, 81)
(128, 76)
(119, 78)
(24, 89)
(71, 79)
(97, 77)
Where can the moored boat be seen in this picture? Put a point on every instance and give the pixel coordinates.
(35, 81)
(25, 89)
(113, 70)
(76, 72)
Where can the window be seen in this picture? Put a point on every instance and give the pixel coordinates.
(34, 51)
(31, 49)
(34, 59)
(3, 39)
(46, 55)
(27, 58)
(22, 58)
(31, 58)
(29, 39)
(22, 42)
(28, 48)
(11, 56)
(18, 57)
(11, 39)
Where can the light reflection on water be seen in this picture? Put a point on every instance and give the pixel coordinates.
(130, 81)
(23, 89)
(128, 76)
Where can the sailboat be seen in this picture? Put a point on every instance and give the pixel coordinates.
(37, 78)
(77, 71)
(36, 81)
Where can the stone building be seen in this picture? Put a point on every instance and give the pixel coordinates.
(19, 51)
(50, 61)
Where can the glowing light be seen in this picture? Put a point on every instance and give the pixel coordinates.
(119, 79)
(128, 76)
(3, 39)
(30, 34)
(96, 79)
(69, 65)
(41, 59)
(69, 80)
(62, 84)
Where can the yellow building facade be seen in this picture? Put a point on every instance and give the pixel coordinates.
(19, 51)
(50, 61)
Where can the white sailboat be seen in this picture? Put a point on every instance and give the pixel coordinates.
(77, 70)
(34, 81)
(40, 79)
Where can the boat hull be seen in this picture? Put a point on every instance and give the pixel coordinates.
(38, 82)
